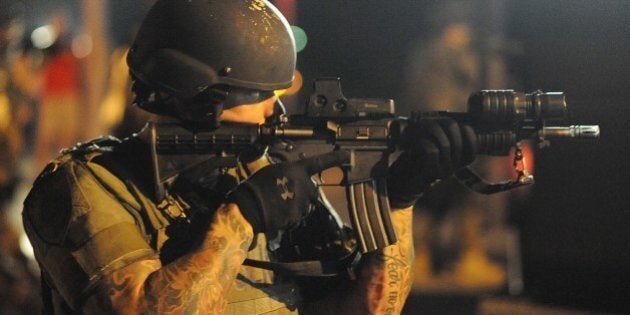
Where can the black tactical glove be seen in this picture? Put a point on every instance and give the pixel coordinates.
(279, 195)
(433, 148)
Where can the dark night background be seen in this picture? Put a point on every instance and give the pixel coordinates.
(575, 235)
(575, 240)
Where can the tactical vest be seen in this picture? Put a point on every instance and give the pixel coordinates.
(255, 291)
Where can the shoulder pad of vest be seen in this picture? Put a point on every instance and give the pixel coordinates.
(87, 149)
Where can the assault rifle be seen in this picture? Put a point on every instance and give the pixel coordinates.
(371, 132)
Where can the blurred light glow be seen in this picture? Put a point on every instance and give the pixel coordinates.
(528, 156)
(25, 246)
(43, 37)
(300, 38)
(295, 87)
(82, 45)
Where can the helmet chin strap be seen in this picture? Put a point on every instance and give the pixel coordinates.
(279, 111)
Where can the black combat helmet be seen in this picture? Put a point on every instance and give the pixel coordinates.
(184, 47)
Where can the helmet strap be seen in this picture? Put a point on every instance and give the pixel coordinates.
(279, 110)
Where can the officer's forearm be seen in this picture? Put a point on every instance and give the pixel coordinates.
(387, 276)
(200, 282)
(195, 283)
(384, 281)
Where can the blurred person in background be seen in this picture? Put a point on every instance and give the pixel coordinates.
(60, 93)
(10, 137)
(19, 283)
(449, 219)
(25, 69)
(116, 118)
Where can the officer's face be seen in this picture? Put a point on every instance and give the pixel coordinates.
(250, 113)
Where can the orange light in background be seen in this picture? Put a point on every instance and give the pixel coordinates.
(528, 156)
(297, 85)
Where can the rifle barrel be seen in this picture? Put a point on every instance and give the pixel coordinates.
(575, 131)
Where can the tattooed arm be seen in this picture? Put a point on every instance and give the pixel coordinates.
(194, 283)
(384, 281)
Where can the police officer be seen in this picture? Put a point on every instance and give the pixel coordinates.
(106, 244)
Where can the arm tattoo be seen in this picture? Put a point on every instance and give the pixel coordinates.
(389, 271)
(398, 262)
(197, 283)
(385, 278)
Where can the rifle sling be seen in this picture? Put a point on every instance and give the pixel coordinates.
(311, 268)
